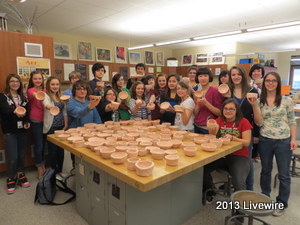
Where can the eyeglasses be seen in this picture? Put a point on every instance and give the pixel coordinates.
(14, 81)
(229, 109)
(271, 81)
(80, 89)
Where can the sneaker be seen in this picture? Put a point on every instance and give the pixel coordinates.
(239, 220)
(278, 212)
(23, 181)
(59, 177)
(11, 185)
(65, 175)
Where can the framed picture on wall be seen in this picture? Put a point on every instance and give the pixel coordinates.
(33, 49)
(120, 54)
(62, 51)
(135, 57)
(149, 57)
(217, 58)
(103, 55)
(160, 58)
(84, 50)
(201, 59)
(187, 60)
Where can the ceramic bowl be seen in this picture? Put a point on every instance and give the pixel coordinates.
(149, 148)
(176, 143)
(152, 98)
(110, 143)
(171, 152)
(115, 105)
(94, 98)
(20, 111)
(172, 160)
(226, 141)
(100, 84)
(164, 144)
(191, 136)
(142, 152)
(178, 137)
(96, 139)
(132, 152)
(190, 151)
(198, 94)
(63, 137)
(145, 143)
(165, 105)
(71, 139)
(121, 148)
(87, 136)
(252, 95)
(210, 147)
(40, 95)
(58, 132)
(64, 97)
(200, 141)
(155, 122)
(106, 152)
(218, 142)
(131, 163)
(90, 125)
(54, 110)
(209, 136)
(144, 168)
(78, 143)
(173, 128)
(71, 130)
(188, 144)
(123, 95)
(118, 157)
(179, 108)
(223, 89)
(138, 101)
(151, 106)
(93, 144)
(124, 122)
(157, 153)
(211, 123)
(122, 143)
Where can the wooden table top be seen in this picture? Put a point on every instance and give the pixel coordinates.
(161, 172)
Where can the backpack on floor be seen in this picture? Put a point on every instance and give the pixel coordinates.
(46, 189)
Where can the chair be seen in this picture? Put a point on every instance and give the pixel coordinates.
(244, 202)
(225, 189)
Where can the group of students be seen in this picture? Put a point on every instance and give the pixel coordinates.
(266, 121)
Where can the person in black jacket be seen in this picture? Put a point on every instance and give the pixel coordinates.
(15, 123)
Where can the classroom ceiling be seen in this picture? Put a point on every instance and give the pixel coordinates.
(139, 22)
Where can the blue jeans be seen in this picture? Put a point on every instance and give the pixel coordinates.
(38, 141)
(56, 153)
(281, 149)
(250, 177)
(15, 146)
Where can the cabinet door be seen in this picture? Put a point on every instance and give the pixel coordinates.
(116, 217)
(98, 181)
(83, 204)
(99, 213)
(81, 172)
(116, 193)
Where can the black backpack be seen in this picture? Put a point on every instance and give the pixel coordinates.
(46, 189)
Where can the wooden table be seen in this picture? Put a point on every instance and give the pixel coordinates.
(109, 194)
(161, 172)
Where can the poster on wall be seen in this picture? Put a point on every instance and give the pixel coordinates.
(160, 58)
(84, 50)
(134, 57)
(81, 68)
(201, 59)
(187, 60)
(124, 72)
(62, 51)
(26, 65)
(120, 54)
(149, 57)
(103, 55)
(217, 58)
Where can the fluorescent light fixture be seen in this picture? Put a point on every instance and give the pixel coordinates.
(142, 46)
(172, 42)
(218, 35)
(274, 26)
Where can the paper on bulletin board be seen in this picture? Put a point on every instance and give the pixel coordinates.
(285, 89)
(158, 69)
(104, 78)
(132, 71)
(68, 68)
(26, 65)
(150, 69)
(217, 71)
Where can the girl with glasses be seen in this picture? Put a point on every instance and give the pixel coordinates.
(14, 128)
(232, 125)
(106, 109)
(277, 138)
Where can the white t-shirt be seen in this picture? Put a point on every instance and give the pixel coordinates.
(189, 104)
